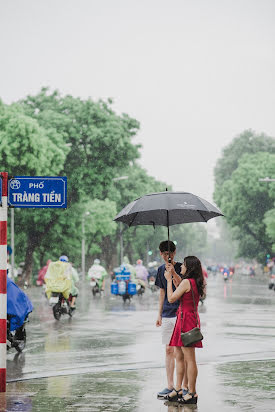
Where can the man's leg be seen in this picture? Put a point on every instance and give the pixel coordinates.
(170, 366)
(167, 328)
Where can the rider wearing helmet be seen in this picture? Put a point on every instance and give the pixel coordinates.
(75, 278)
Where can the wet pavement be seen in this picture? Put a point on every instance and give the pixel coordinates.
(109, 356)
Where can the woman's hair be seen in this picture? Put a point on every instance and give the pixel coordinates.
(194, 271)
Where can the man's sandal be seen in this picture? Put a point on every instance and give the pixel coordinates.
(174, 398)
(189, 401)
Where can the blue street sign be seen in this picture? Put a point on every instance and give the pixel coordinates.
(39, 191)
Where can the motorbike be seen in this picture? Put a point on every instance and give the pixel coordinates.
(61, 306)
(151, 284)
(271, 284)
(16, 338)
(140, 287)
(95, 286)
(18, 308)
(225, 276)
(122, 285)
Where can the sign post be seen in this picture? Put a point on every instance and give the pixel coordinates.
(22, 192)
(3, 279)
(41, 192)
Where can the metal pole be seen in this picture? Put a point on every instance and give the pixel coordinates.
(121, 243)
(83, 248)
(12, 242)
(3, 280)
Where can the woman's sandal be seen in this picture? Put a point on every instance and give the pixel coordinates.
(174, 398)
(189, 401)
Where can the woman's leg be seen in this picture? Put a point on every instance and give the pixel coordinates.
(192, 370)
(170, 365)
(185, 378)
(179, 367)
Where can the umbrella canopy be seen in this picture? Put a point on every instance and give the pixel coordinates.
(167, 209)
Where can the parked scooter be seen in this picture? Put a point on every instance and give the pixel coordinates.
(18, 308)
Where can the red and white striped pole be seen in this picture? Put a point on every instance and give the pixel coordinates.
(3, 280)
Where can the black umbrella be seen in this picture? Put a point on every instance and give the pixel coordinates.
(167, 209)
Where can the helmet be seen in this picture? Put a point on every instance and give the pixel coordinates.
(64, 258)
(97, 261)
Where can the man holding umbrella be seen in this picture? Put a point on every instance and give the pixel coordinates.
(167, 209)
(167, 315)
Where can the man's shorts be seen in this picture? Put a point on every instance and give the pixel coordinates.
(167, 328)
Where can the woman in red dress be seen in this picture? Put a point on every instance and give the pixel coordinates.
(192, 271)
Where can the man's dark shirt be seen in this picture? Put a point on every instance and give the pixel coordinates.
(169, 310)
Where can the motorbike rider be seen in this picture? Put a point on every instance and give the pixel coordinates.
(74, 290)
(18, 308)
(152, 270)
(41, 274)
(59, 277)
(98, 272)
(141, 272)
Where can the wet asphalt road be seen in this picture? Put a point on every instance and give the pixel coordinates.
(109, 356)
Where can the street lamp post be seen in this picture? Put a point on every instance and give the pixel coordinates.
(12, 243)
(83, 243)
(116, 179)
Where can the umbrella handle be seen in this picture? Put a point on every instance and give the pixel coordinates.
(169, 259)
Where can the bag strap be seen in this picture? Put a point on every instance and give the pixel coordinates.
(194, 306)
(194, 302)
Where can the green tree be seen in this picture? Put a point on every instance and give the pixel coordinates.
(247, 142)
(81, 139)
(269, 220)
(244, 200)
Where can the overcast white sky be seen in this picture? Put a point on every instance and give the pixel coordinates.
(195, 73)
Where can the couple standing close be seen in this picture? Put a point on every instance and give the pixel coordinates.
(177, 314)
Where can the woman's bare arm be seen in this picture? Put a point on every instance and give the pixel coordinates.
(183, 287)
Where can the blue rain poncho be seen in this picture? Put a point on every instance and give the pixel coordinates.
(18, 305)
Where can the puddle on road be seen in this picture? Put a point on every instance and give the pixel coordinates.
(234, 386)
(101, 392)
(248, 386)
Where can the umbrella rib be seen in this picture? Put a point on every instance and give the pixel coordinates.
(202, 216)
(135, 215)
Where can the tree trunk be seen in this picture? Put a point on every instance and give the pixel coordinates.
(27, 272)
(34, 240)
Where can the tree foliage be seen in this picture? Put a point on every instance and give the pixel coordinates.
(243, 198)
(53, 135)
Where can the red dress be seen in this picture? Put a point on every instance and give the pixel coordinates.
(188, 320)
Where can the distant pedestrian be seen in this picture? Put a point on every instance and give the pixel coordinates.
(167, 316)
(187, 317)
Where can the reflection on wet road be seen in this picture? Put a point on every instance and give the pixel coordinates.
(109, 356)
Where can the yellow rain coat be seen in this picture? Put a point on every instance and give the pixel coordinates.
(59, 278)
